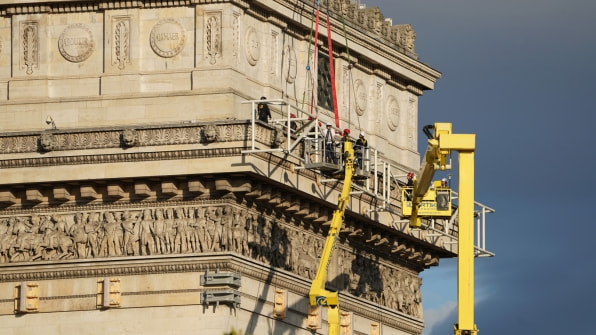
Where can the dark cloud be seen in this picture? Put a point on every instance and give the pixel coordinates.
(522, 76)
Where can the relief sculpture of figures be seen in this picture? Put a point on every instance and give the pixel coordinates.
(159, 229)
(182, 235)
(197, 229)
(170, 231)
(146, 233)
(130, 241)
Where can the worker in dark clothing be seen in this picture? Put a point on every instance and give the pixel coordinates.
(410, 186)
(329, 138)
(410, 180)
(360, 149)
(263, 111)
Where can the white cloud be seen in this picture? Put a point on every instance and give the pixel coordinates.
(435, 316)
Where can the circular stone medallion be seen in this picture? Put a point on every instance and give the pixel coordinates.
(392, 113)
(252, 46)
(76, 43)
(167, 38)
(361, 98)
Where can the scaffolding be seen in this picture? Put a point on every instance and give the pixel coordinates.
(377, 175)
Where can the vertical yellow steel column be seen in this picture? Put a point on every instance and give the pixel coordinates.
(465, 263)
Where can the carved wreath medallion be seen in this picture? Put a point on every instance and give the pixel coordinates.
(361, 99)
(252, 46)
(76, 43)
(167, 38)
(392, 111)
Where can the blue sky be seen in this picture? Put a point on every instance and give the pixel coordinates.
(522, 76)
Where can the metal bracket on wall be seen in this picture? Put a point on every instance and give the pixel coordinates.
(221, 278)
(109, 294)
(227, 296)
(27, 298)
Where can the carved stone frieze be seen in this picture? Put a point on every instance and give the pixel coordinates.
(369, 18)
(99, 139)
(262, 229)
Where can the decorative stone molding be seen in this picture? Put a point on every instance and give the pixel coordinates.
(129, 138)
(121, 41)
(46, 141)
(213, 36)
(76, 43)
(210, 133)
(167, 38)
(100, 139)
(29, 55)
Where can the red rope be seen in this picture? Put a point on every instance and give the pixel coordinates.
(332, 72)
(314, 62)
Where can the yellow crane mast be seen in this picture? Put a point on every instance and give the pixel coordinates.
(319, 296)
(438, 157)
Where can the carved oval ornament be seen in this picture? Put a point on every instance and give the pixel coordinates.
(167, 38)
(392, 111)
(361, 99)
(252, 46)
(76, 43)
(290, 64)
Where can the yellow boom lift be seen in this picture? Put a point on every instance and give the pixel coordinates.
(318, 295)
(438, 157)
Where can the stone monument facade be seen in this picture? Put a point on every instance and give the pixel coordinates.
(130, 201)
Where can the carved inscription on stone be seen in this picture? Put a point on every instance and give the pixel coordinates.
(392, 111)
(121, 44)
(76, 43)
(29, 55)
(167, 38)
(213, 36)
(252, 46)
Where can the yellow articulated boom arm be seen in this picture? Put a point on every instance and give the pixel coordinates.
(318, 295)
(438, 152)
(435, 159)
